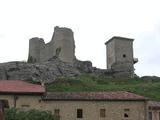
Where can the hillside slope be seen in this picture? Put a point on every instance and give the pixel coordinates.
(148, 86)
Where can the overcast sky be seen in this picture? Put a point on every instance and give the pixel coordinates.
(93, 23)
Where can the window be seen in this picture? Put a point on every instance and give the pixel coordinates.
(56, 112)
(126, 113)
(149, 115)
(25, 106)
(124, 55)
(102, 113)
(79, 113)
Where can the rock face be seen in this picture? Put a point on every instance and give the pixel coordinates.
(45, 71)
(61, 45)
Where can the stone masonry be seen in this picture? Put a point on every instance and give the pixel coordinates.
(120, 56)
(61, 46)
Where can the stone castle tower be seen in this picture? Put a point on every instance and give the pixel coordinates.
(120, 56)
(61, 45)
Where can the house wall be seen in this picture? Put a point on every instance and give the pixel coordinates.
(22, 100)
(91, 109)
(155, 114)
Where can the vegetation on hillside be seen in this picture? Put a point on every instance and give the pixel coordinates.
(15, 114)
(146, 86)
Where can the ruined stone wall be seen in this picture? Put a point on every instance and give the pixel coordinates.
(124, 51)
(64, 45)
(110, 47)
(61, 45)
(35, 45)
(120, 56)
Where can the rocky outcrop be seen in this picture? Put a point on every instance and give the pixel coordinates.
(46, 71)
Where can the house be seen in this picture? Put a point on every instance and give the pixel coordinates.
(75, 105)
(118, 105)
(154, 110)
(21, 94)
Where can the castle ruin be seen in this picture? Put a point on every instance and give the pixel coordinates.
(120, 60)
(120, 56)
(61, 46)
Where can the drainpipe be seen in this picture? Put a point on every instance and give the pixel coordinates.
(15, 100)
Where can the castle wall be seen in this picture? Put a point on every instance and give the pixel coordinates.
(61, 45)
(46, 52)
(120, 56)
(124, 51)
(110, 47)
(35, 46)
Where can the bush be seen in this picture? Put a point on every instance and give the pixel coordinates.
(15, 114)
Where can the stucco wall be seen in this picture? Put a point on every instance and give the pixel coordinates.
(20, 100)
(10, 99)
(91, 109)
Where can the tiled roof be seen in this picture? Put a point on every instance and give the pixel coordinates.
(154, 105)
(119, 95)
(19, 86)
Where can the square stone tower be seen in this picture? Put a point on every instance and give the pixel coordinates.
(120, 56)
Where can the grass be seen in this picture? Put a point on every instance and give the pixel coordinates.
(146, 86)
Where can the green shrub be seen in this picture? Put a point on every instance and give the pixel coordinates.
(10, 114)
(15, 114)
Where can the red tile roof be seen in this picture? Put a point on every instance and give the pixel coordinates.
(119, 95)
(154, 105)
(19, 86)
